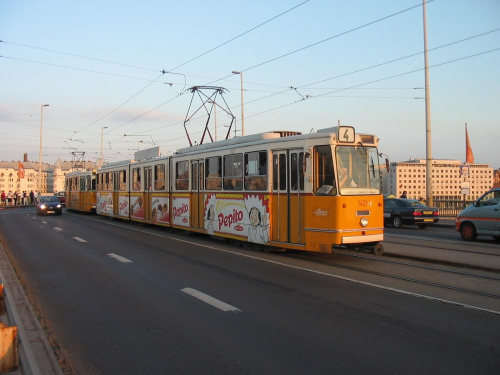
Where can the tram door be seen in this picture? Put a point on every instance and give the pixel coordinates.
(197, 208)
(148, 187)
(287, 202)
(116, 189)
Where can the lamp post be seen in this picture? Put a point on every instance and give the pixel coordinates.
(138, 143)
(102, 129)
(40, 154)
(242, 103)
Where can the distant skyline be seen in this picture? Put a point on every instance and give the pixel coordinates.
(125, 68)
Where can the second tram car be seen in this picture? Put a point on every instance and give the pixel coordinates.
(310, 192)
(81, 191)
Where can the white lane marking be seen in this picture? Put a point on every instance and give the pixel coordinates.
(120, 258)
(400, 291)
(57, 228)
(210, 300)
(79, 239)
(44, 222)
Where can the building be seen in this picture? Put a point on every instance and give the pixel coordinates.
(448, 179)
(23, 175)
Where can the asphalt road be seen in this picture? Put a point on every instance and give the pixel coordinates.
(126, 299)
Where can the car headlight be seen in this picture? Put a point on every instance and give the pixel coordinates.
(42, 206)
(58, 206)
(363, 222)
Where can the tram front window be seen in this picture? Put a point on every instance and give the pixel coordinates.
(358, 170)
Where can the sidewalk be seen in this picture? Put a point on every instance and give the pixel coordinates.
(36, 356)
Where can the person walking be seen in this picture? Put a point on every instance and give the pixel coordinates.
(25, 198)
(32, 197)
(4, 197)
(9, 198)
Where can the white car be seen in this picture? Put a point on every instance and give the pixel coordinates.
(481, 218)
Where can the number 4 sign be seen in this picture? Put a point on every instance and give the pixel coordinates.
(346, 134)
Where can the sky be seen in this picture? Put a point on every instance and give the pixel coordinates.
(119, 73)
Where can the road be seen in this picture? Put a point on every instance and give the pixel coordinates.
(118, 298)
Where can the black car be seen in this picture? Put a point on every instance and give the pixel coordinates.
(398, 212)
(49, 205)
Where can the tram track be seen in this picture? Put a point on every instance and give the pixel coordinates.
(483, 247)
(492, 281)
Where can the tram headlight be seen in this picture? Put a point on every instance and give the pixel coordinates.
(364, 222)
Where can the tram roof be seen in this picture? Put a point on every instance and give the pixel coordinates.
(281, 135)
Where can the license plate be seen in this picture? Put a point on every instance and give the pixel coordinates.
(428, 220)
(51, 212)
(427, 212)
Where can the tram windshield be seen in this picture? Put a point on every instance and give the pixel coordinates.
(358, 170)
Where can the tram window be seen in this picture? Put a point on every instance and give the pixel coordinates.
(324, 176)
(160, 177)
(108, 180)
(93, 183)
(213, 176)
(256, 170)
(233, 172)
(194, 176)
(123, 180)
(279, 171)
(296, 171)
(182, 175)
(87, 183)
(136, 179)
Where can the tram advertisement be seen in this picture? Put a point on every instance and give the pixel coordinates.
(123, 206)
(241, 216)
(180, 211)
(105, 204)
(137, 207)
(159, 210)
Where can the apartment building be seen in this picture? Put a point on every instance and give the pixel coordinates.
(449, 177)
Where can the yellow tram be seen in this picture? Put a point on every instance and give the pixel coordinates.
(81, 191)
(310, 192)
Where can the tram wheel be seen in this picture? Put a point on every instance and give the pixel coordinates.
(378, 249)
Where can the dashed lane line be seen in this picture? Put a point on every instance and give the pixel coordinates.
(79, 239)
(210, 300)
(119, 258)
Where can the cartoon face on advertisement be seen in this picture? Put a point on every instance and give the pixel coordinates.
(104, 204)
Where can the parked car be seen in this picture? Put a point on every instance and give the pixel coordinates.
(481, 218)
(61, 195)
(401, 211)
(48, 204)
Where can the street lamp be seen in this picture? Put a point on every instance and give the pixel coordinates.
(242, 103)
(138, 143)
(102, 129)
(40, 154)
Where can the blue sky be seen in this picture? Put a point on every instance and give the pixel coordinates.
(306, 65)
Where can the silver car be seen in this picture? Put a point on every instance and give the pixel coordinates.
(481, 218)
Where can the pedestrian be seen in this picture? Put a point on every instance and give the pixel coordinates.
(9, 198)
(403, 195)
(25, 198)
(32, 197)
(4, 197)
(14, 198)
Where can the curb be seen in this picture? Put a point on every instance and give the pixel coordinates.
(36, 356)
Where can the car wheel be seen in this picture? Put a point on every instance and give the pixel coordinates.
(422, 226)
(468, 231)
(496, 238)
(397, 222)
